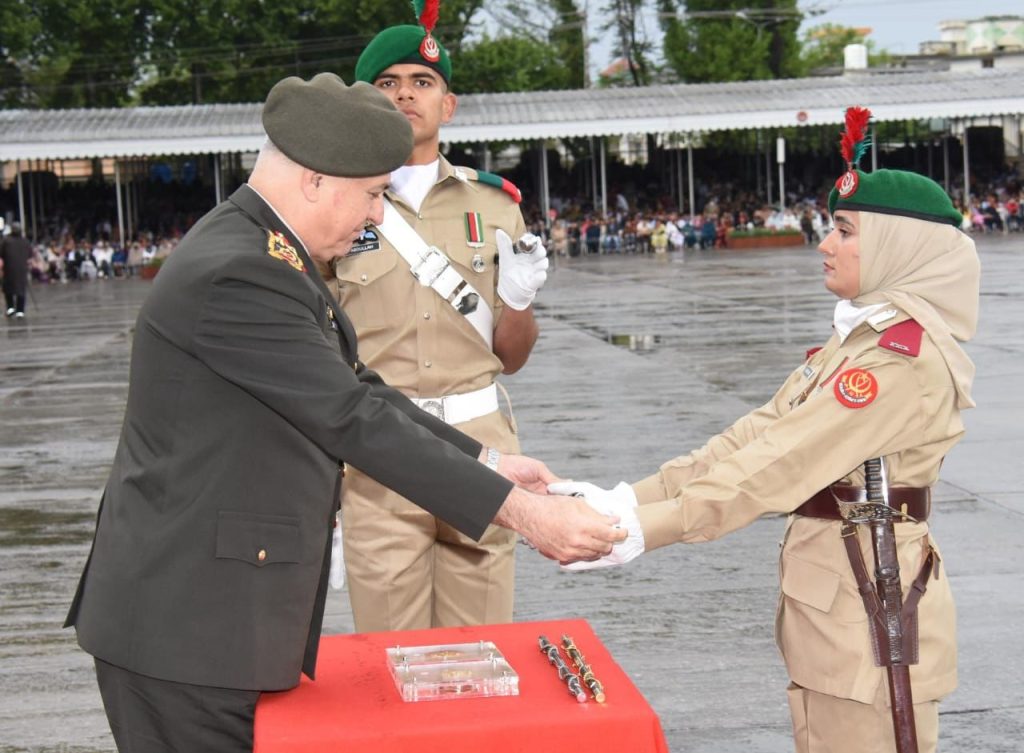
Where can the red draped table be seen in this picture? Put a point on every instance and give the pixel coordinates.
(354, 705)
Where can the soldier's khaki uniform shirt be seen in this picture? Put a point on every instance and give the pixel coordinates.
(414, 339)
(802, 440)
(422, 346)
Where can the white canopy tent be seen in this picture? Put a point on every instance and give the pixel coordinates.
(957, 96)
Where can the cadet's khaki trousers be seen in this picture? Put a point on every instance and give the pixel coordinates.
(407, 570)
(825, 724)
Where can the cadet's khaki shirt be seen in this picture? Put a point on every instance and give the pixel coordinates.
(407, 333)
(802, 440)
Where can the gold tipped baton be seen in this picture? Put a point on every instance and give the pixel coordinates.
(586, 673)
(572, 682)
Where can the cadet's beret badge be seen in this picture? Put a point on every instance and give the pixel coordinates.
(856, 388)
(854, 144)
(279, 247)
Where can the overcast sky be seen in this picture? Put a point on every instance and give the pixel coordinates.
(897, 25)
(901, 25)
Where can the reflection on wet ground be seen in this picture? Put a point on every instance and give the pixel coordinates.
(640, 359)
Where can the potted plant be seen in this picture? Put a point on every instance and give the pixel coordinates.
(761, 237)
(151, 267)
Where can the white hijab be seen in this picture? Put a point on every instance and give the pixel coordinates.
(931, 271)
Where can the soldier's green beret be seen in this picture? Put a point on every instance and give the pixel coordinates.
(349, 131)
(402, 44)
(893, 192)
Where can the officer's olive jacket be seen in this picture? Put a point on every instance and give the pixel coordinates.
(210, 556)
(803, 439)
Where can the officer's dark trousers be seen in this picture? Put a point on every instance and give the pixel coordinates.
(15, 301)
(148, 715)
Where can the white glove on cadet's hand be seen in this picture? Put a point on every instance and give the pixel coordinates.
(520, 275)
(619, 501)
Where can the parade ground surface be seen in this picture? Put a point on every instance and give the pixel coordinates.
(640, 359)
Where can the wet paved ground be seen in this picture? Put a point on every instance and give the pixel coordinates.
(712, 335)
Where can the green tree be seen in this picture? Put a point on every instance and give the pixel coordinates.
(556, 24)
(823, 47)
(631, 44)
(98, 53)
(508, 64)
(731, 40)
(72, 53)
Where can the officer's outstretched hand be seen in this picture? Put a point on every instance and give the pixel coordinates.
(565, 529)
(520, 275)
(526, 472)
(619, 502)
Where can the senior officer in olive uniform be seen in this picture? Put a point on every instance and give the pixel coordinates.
(407, 569)
(891, 383)
(208, 572)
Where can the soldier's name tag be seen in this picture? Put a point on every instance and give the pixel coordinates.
(368, 241)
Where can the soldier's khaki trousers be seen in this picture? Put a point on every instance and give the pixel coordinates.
(407, 570)
(825, 724)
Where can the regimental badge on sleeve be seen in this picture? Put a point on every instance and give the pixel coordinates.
(279, 247)
(856, 388)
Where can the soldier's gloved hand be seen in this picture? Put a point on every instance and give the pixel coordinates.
(520, 275)
(619, 501)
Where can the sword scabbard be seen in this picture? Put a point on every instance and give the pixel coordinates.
(890, 593)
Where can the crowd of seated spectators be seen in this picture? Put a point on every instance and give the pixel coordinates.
(66, 259)
(640, 225)
(576, 229)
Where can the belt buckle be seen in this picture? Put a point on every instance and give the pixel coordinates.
(434, 407)
(430, 266)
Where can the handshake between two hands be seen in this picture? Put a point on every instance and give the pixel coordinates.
(580, 525)
(619, 502)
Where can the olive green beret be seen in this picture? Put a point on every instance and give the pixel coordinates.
(893, 192)
(324, 125)
(401, 44)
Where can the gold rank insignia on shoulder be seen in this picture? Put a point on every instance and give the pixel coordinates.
(279, 247)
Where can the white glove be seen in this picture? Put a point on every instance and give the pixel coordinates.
(619, 501)
(520, 275)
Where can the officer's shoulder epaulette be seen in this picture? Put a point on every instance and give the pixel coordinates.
(279, 247)
(490, 179)
(904, 338)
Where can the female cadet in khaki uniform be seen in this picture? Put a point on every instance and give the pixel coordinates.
(406, 568)
(891, 383)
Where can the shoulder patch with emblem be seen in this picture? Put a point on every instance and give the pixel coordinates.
(279, 247)
(856, 388)
(904, 338)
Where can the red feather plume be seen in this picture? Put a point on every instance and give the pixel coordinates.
(427, 12)
(854, 141)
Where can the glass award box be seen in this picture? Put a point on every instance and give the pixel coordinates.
(454, 670)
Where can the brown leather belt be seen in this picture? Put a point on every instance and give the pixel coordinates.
(913, 501)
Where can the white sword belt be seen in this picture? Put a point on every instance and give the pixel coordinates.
(457, 409)
(432, 268)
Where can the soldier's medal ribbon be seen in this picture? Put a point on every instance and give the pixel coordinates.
(856, 388)
(279, 247)
(474, 230)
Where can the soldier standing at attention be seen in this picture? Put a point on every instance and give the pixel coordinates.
(442, 303)
(849, 448)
